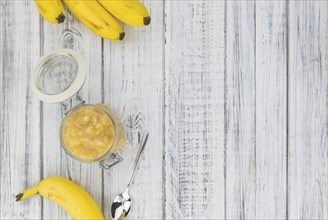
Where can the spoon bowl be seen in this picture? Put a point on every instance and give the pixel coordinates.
(121, 205)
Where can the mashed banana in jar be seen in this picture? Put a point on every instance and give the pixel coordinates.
(88, 133)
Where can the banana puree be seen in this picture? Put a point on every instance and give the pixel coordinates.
(88, 133)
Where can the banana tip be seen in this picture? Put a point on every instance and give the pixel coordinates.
(146, 20)
(121, 36)
(61, 18)
(19, 196)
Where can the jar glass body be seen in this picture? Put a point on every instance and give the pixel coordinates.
(115, 130)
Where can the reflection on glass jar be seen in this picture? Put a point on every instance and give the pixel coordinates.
(91, 132)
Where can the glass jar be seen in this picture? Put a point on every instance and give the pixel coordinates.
(89, 132)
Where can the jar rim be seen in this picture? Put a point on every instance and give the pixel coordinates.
(108, 152)
(75, 85)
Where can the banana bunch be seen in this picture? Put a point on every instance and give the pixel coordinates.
(67, 194)
(98, 15)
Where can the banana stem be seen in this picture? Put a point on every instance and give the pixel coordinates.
(27, 193)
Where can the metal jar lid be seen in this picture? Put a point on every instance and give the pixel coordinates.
(58, 76)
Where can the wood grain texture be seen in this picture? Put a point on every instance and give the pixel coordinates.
(74, 35)
(308, 110)
(133, 87)
(271, 110)
(256, 110)
(241, 111)
(19, 143)
(194, 110)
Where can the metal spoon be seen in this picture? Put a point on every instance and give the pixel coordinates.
(122, 203)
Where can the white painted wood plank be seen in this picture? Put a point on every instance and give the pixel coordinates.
(72, 34)
(271, 110)
(256, 110)
(19, 134)
(308, 110)
(194, 110)
(240, 111)
(133, 87)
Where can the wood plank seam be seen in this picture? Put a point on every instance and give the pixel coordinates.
(287, 106)
(41, 52)
(164, 86)
(225, 110)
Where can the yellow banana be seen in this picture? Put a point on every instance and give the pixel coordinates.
(95, 17)
(131, 12)
(51, 10)
(67, 194)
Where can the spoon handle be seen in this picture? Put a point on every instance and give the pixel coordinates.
(136, 161)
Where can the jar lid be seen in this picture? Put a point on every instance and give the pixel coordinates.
(58, 76)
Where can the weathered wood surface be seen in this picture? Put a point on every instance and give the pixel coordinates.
(233, 93)
(308, 111)
(240, 111)
(194, 110)
(256, 112)
(271, 110)
(20, 161)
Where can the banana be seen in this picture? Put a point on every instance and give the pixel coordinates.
(95, 17)
(67, 194)
(51, 10)
(131, 12)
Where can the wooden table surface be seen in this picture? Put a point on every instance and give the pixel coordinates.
(233, 93)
